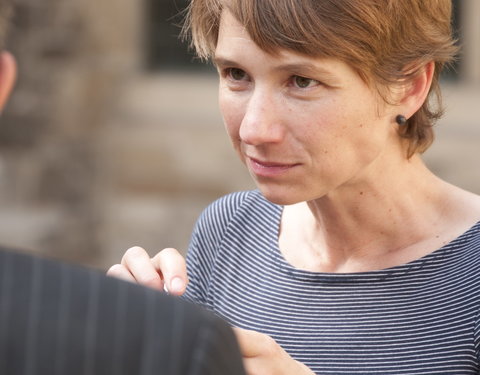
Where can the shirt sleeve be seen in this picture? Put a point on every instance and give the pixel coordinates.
(205, 243)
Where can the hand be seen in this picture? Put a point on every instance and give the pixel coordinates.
(263, 356)
(166, 270)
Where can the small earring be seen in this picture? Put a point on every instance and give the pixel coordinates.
(401, 120)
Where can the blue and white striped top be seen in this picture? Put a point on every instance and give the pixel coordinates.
(417, 318)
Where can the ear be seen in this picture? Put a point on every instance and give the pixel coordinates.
(8, 75)
(415, 92)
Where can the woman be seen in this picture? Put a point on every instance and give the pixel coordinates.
(352, 257)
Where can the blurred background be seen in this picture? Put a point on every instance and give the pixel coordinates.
(113, 137)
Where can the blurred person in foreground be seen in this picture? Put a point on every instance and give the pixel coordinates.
(351, 257)
(57, 318)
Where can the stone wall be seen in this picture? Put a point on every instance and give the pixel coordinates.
(97, 154)
(71, 57)
(165, 156)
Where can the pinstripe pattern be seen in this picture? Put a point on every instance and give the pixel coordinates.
(65, 295)
(33, 314)
(418, 318)
(57, 318)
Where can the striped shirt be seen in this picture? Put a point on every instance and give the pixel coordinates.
(418, 318)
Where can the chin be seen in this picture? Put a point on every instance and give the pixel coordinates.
(283, 197)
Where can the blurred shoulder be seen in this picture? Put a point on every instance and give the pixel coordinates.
(85, 311)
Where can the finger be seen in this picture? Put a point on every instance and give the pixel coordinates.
(174, 270)
(252, 343)
(138, 263)
(120, 272)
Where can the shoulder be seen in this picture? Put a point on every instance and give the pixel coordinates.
(44, 283)
(470, 241)
(229, 204)
(229, 216)
(85, 313)
(226, 209)
(222, 230)
(464, 253)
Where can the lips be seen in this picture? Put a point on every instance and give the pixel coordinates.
(268, 168)
(268, 164)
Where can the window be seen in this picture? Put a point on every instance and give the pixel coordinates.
(164, 48)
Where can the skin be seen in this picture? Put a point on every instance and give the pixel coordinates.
(318, 139)
(8, 75)
(299, 143)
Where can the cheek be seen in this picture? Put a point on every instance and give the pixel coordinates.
(232, 114)
(344, 135)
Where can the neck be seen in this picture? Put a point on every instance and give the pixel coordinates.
(371, 223)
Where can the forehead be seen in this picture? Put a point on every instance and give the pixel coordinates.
(235, 45)
(230, 28)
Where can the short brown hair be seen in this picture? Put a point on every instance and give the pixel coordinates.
(385, 41)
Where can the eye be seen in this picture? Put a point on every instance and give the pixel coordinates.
(303, 82)
(236, 74)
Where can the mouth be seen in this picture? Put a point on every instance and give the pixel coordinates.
(264, 168)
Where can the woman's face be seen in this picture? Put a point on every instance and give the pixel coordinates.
(305, 127)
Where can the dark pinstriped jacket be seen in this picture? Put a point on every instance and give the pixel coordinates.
(60, 319)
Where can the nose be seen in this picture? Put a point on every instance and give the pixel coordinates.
(262, 122)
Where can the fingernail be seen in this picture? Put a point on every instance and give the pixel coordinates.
(176, 285)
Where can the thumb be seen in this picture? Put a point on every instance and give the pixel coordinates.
(173, 268)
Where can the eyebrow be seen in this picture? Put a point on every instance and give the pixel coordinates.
(304, 67)
(295, 67)
(223, 62)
